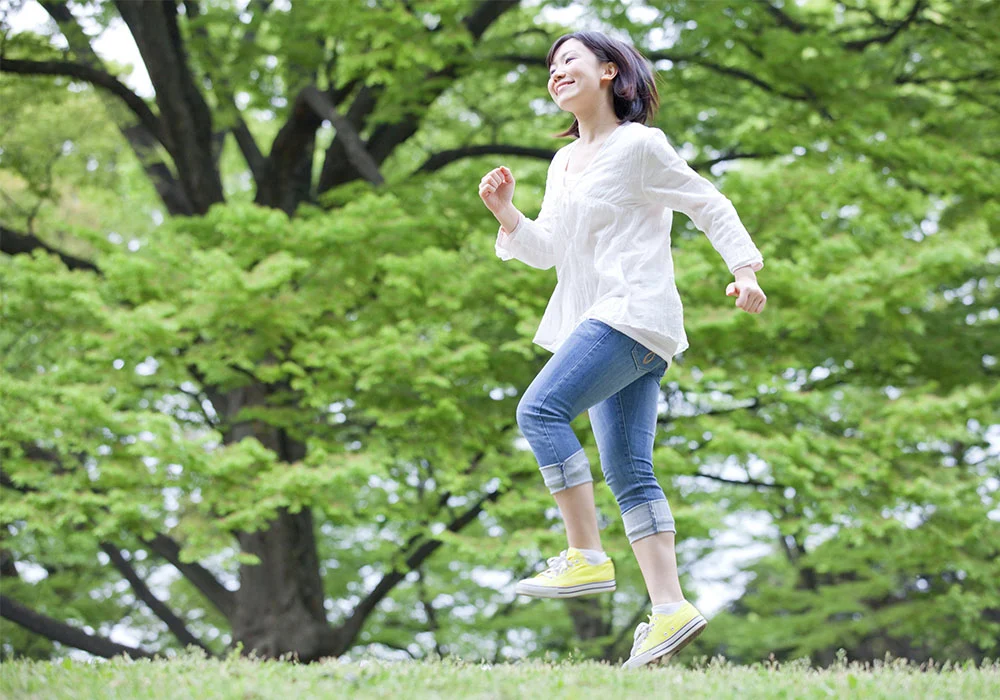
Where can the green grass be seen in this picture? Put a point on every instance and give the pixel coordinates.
(193, 676)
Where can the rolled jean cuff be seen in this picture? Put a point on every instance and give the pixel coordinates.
(647, 519)
(573, 472)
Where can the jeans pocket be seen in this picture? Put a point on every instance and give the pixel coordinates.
(646, 360)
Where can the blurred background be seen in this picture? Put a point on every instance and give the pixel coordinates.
(260, 362)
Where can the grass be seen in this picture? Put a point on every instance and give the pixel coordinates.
(191, 675)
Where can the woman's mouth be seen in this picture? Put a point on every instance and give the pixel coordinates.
(562, 86)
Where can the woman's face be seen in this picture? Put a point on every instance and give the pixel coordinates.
(576, 77)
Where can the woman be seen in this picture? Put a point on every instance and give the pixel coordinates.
(614, 322)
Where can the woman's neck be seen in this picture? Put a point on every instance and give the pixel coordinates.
(596, 129)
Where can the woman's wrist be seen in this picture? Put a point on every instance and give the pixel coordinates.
(509, 219)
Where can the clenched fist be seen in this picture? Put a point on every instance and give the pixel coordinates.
(751, 296)
(496, 189)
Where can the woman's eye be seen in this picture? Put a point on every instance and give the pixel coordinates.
(567, 61)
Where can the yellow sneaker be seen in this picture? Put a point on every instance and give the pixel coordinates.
(568, 576)
(665, 635)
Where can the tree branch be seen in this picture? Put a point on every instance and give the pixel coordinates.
(862, 44)
(65, 634)
(426, 603)
(986, 74)
(244, 138)
(725, 70)
(15, 243)
(186, 118)
(731, 155)
(753, 405)
(333, 172)
(159, 608)
(145, 143)
(735, 482)
(200, 577)
(353, 145)
(488, 12)
(287, 170)
(391, 645)
(442, 158)
(386, 137)
(8, 483)
(783, 18)
(248, 146)
(95, 77)
(353, 624)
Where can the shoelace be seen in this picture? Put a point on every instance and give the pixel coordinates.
(640, 633)
(557, 565)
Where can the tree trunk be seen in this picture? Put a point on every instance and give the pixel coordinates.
(186, 118)
(279, 606)
(286, 178)
(590, 620)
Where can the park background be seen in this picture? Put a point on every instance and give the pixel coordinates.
(260, 361)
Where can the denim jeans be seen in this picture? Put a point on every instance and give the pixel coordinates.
(617, 380)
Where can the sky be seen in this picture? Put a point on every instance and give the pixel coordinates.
(116, 44)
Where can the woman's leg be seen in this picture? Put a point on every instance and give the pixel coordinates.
(595, 362)
(658, 563)
(625, 427)
(576, 504)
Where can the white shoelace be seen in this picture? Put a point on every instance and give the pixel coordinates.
(640, 634)
(557, 565)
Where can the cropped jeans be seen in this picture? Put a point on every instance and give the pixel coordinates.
(617, 380)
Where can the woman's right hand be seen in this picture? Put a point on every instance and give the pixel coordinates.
(496, 189)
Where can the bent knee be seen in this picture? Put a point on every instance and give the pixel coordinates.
(527, 411)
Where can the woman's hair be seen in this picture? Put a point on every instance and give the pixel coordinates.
(633, 89)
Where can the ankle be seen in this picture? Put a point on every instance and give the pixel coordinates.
(668, 608)
(593, 556)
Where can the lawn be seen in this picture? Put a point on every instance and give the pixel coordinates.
(192, 676)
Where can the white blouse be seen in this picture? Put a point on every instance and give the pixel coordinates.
(606, 230)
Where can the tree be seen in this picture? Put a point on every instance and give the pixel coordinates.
(278, 606)
(301, 385)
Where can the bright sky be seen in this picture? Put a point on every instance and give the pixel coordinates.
(115, 45)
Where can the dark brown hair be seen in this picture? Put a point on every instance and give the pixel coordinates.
(633, 88)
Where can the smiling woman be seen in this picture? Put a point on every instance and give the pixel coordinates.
(615, 319)
(586, 69)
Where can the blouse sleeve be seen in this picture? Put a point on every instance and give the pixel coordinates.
(532, 241)
(667, 179)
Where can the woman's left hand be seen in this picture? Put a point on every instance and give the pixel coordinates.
(751, 296)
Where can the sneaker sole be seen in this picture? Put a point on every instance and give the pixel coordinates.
(564, 592)
(669, 648)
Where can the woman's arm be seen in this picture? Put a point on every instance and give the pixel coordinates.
(669, 180)
(530, 241)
